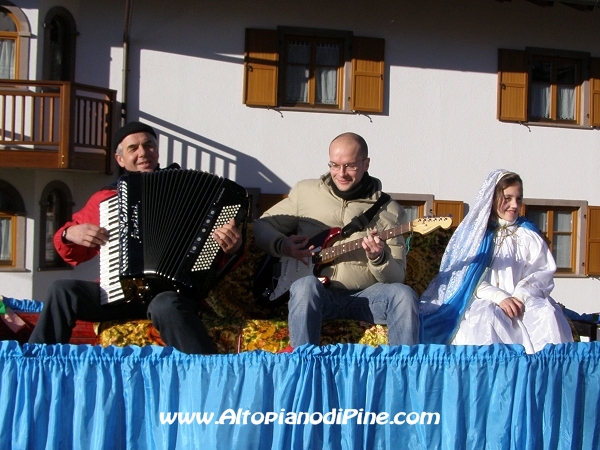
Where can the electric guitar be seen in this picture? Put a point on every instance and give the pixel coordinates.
(288, 269)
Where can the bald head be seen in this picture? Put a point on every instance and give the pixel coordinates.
(353, 139)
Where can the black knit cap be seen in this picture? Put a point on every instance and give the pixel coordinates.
(130, 128)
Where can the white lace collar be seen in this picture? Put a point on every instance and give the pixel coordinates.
(505, 223)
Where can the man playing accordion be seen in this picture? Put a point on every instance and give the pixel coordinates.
(173, 314)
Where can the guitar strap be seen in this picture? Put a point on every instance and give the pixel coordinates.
(360, 222)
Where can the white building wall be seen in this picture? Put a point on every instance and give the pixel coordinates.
(439, 134)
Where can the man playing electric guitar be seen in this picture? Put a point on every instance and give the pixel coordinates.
(364, 285)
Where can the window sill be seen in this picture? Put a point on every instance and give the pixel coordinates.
(48, 269)
(313, 110)
(570, 275)
(14, 269)
(557, 125)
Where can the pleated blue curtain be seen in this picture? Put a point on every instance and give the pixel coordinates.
(64, 396)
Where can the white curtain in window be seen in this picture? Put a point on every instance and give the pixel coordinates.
(297, 71)
(566, 102)
(540, 100)
(412, 212)
(7, 59)
(563, 221)
(5, 240)
(328, 56)
(561, 249)
(540, 218)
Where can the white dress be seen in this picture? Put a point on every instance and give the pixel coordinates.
(523, 267)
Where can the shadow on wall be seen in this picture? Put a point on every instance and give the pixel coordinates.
(193, 151)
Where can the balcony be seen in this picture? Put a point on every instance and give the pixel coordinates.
(56, 125)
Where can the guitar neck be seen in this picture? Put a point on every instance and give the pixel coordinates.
(331, 253)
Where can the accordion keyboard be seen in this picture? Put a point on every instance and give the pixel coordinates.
(110, 285)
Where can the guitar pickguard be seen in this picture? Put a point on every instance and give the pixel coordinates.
(291, 270)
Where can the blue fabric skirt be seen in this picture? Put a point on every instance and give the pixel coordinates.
(333, 397)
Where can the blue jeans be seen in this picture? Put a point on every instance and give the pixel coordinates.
(392, 304)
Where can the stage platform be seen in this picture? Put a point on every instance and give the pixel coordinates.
(333, 397)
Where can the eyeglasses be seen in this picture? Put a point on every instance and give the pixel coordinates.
(352, 167)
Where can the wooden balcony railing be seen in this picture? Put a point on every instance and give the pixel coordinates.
(56, 125)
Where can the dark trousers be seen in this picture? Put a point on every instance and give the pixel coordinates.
(173, 315)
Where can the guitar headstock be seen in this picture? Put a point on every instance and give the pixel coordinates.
(426, 225)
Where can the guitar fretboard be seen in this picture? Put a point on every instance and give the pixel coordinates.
(330, 253)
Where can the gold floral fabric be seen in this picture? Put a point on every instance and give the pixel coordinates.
(424, 257)
(132, 332)
(236, 322)
(232, 336)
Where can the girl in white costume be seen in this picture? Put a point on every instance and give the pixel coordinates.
(495, 278)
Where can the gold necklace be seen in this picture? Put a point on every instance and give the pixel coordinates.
(503, 232)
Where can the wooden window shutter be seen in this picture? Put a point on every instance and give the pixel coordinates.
(592, 253)
(595, 92)
(454, 208)
(268, 200)
(512, 85)
(368, 67)
(261, 67)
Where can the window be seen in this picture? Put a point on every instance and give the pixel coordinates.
(8, 225)
(415, 205)
(324, 70)
(12, 228)
(14, 43)
(9, 40)
(549, 87)
(59, 45)
(563, 225)
(312, 69)
(413, 210)
(423, 205)
(56, 206)
(559, 227)
(554, 92)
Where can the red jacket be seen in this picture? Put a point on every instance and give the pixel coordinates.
(73, 253)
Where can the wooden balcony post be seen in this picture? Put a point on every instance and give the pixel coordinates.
(111, 126)
(67, 124)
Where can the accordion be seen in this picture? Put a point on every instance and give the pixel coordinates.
(161, 227)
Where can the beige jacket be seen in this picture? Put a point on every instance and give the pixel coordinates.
(311, 208)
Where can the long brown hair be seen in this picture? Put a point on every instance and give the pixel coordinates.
(508, 180)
